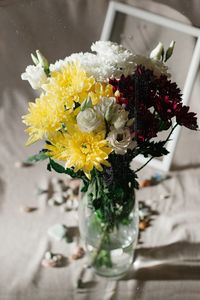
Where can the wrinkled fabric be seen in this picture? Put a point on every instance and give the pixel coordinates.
(167, 259)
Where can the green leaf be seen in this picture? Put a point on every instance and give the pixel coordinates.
(154, 149)
(37, 157)
(87, 103)
(60, 169)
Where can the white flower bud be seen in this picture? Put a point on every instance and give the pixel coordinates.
(170, 50)
(35, 75)
(157, 53)
(88, 120)
(120, 119)
(34, 59)
(87, 103)
(120, 140)
(42, 60)
(106, 107)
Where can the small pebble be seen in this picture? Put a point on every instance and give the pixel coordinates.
(52, 260)
(59, 199)
(58, 232)
(48, 255)
(145, 183)
(76, 191)
(75, 204)
(48, 263)
(79, 253)
(143, 225)
(162, 197)
(141, 204)
(51, 202)
(69, 205)
(144, 212)
(28, 209)
(23, 164)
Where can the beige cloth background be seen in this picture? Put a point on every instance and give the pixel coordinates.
(59, 28)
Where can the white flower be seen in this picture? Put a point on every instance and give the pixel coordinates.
(115, 59)
(35, 75)
(88, 120)
(158, 67)
(106, 107)
(57, 65)
(120, 140)
(157, 52)
(110, 60)
(120, 118)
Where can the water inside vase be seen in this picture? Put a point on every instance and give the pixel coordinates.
(119, 251)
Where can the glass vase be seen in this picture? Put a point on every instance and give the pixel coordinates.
(110, 249)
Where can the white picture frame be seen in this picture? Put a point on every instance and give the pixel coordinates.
(116, 7)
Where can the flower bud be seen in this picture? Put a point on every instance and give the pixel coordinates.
(158, 52)
(34, 59)
(120, 118)
(170, 50)
(42, 60)
(107, 107)
(87, 103)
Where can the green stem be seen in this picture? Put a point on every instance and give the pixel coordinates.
(167, 139)
(99, 249)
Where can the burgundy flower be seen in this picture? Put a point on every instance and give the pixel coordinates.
(153, 102)
(146, 125)
(186, 118)
(124, 88)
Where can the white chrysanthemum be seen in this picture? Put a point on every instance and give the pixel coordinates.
(120, 140)
(35, 76)
(158, 67)
(117, 58)
(57, 65)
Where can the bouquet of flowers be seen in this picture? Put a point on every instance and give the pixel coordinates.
(97, 112)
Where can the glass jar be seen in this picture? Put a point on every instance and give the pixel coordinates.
(110, 249)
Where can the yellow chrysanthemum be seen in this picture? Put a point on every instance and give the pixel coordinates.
(82, 151)
(99, 90)
(69, 84)
(45, 117)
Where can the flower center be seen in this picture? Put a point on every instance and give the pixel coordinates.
(85, 148)
(119, 137)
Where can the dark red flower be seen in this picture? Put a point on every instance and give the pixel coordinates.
(153, 102)
(146, 125)
(186, 118)
(123, 89)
